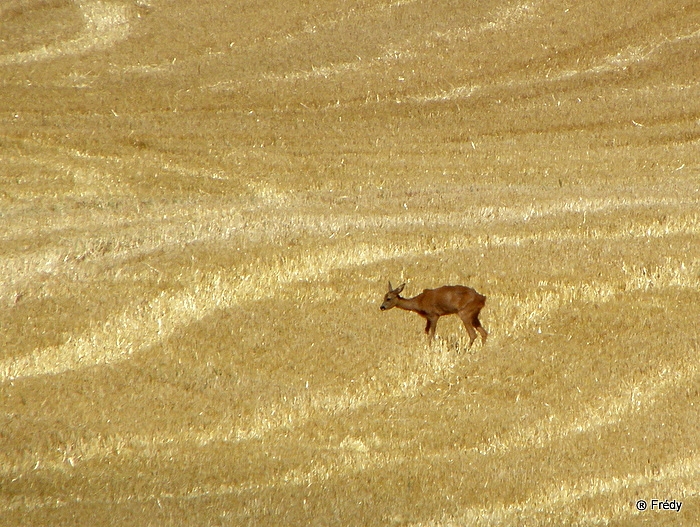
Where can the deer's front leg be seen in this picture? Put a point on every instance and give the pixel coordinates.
(430, 327)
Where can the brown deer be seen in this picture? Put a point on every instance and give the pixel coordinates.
(432, 304)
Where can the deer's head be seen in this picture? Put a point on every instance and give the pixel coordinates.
(392, 297)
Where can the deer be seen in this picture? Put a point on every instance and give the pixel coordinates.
(432, 304)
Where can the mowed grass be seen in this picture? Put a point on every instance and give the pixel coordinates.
(201, 206)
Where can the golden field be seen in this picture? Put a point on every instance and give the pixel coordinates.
(201, 204)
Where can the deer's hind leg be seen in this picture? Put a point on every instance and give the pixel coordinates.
(477, 325)
(471, 322)
(466, 319)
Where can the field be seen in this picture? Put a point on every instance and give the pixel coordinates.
(201, 204)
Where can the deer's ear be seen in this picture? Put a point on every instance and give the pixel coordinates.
(400, 288)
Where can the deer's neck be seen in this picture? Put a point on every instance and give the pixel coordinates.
(409, 304)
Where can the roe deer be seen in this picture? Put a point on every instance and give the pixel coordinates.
(432, 304)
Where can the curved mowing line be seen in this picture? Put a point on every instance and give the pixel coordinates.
(299, 223)
(105, 25)
(140, 328)
(440, 361)
(609, 64)
(508, 18)
(502, 21)
(559, 501)
(673, 479)
(214, 225)
(536, 308)
(609, 412)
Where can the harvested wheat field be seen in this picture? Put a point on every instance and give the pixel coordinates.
(202, 203)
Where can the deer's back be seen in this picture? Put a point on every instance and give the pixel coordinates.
(450, 299)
